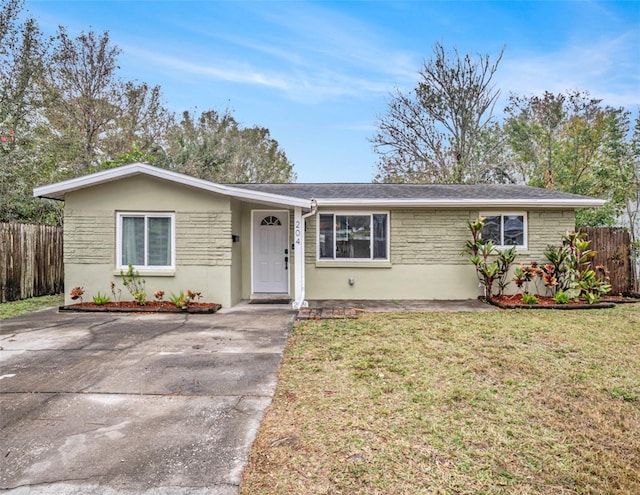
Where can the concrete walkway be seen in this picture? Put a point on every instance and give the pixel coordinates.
(117, 404)
(341, 307)
(332, 309)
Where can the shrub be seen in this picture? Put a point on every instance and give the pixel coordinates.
(192, 295)
(113, 292)
(136, 285)
(76, 293)
(492, 265)
(179, 300)
(561, 297)
(524, 274)
(183, 299)
(568, 271)
(592, 297)
(529, 298)
(101, 299)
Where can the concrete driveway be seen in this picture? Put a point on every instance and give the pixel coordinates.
(135, 404)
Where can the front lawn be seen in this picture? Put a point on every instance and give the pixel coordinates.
(422, 403)
(17, 308)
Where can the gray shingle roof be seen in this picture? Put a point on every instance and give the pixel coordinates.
(340, 195)
(410, 191)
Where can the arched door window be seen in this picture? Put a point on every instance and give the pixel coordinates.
(270, 220)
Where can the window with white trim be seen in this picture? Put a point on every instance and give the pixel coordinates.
(353, 236)
(505, 229)
(146, 240)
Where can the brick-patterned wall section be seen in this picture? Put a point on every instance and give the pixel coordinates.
(428, 237)
(546, 228)
(89, 236)
(203, 238)
(310, 240)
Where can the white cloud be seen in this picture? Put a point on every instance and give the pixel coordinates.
(308, 82)
(307, 53)
(219, 70)
(607, 68)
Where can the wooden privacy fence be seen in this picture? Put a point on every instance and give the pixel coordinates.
(30, 261)
(613, 247)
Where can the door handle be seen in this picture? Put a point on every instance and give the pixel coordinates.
(286, 262)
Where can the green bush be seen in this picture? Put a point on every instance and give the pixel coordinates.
(136, 285)
(101, 299)
(561, 297)
(179, 300)
(492, 264)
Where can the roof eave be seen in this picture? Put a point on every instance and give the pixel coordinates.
(462, 203)
(59, 190)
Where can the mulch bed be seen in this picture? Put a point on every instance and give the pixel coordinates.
(515, 302)
(150, 307)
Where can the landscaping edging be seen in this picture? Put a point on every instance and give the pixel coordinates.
(633, 297)
(556, 306)
(141, 309)
(602, 305)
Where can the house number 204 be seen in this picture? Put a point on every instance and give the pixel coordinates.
(298, 231)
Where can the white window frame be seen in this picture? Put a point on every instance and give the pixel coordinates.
(146, 216)
(502, 214)
(354, 260)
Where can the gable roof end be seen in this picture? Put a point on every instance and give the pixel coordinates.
(58, 190)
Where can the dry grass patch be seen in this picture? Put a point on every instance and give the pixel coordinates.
(499, 402)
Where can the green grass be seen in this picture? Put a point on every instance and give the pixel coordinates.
(17, 308)
(532, 402)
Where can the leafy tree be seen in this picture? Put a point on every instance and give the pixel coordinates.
(213, 146)
(22, 58)
(444, 130)
(556, 142)
(142, 121)
(22, 53)
(620, 170)
(85, 94)
(533, 129)
(64, 112)
(136, 155)
(93, 116)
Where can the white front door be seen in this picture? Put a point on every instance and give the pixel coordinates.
(270, 251)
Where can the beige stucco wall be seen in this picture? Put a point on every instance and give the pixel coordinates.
(425, 246)
(426, 257)
(203, 223)
(546, 227)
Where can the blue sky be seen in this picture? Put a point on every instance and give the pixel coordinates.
(319, 74)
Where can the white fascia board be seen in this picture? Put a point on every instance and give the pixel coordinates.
(58, 190)
(462, 203)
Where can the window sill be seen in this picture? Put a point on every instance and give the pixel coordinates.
(146, 272)
(353, 264)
